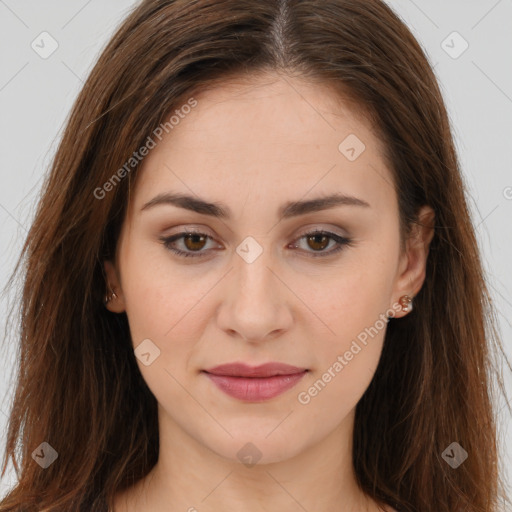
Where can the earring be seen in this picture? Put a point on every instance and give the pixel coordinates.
(406, 303)
(110, 297)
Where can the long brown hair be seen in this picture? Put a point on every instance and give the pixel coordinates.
(79, 388)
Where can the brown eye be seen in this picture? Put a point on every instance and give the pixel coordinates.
(194, 241)
(318, 242)
(192, 244)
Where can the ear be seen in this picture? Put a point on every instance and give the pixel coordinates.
(413, 262)
(116, 304)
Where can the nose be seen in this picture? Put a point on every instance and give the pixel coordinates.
(255, 301)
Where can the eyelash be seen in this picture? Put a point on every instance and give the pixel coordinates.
(340, 240)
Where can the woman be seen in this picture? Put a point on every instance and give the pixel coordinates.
(252, 280)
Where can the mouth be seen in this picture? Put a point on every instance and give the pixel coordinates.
(255, 383)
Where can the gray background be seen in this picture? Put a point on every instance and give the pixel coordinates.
(36, 95)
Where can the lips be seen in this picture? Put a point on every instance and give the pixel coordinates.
(255, 383)
(264, 370)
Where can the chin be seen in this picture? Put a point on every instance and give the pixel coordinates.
(255, 447)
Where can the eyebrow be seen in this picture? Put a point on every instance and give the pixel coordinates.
(288, 210)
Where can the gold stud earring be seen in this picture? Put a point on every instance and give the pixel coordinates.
(406, 303)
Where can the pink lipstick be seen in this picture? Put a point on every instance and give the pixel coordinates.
(255, 383)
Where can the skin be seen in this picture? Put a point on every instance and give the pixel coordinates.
(253, 147)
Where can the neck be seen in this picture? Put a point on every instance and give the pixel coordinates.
(191, 477)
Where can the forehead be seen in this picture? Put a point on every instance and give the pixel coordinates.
(275, 136)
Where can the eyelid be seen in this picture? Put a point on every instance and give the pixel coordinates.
(316, 229)
(308, 230)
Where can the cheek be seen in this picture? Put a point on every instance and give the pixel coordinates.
(333, 391)
(163, 307)
(355, 296)
(157, 293)
(353, 305)
(346, 359)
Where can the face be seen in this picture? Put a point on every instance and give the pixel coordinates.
(267, 281)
